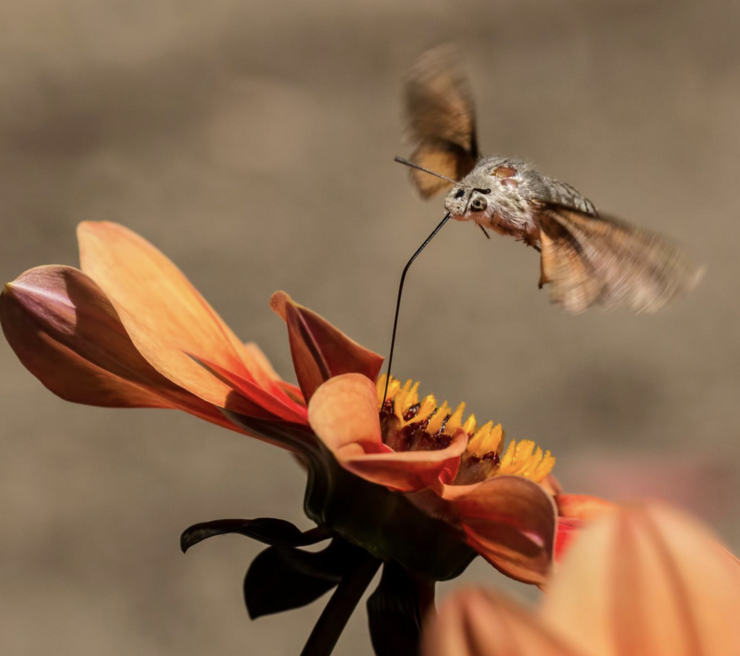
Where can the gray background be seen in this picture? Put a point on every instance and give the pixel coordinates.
(253, 142)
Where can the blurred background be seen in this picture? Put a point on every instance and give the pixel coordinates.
(253, 142)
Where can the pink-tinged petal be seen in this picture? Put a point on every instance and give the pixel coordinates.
(66, 332)
(510, 521)
(38, 320)
(320, 350)
(344, 414)
(646, 579)
(475, 622)
(166, 318)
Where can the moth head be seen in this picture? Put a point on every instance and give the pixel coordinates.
(467, 202)
(493, 181)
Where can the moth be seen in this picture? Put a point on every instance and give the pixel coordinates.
(586, 258)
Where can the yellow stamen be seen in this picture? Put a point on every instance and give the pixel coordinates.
(486, 440)
(400, 404)
(469, 425)
(380, 389)
(435, 423)
(523, 458)
(453, 423)
(413, 397)
(427, 407)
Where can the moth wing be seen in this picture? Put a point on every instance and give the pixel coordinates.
(592, 260)
(441, 119)
(443, 157)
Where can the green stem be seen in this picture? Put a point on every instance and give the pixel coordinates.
(342, 604)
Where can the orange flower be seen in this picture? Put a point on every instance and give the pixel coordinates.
(448, 467)
(643, 579)
(129, 330)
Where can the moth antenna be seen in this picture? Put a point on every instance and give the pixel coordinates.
(405, 162)
(400, 290)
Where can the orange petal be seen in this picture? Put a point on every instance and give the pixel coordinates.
(344, 414)
(320, 350)
(166, 318)
(66, 332)
(510, 521)
(574, 511)
(475, 622)
(265, 375)
(276, 402)
(582, 506)
(647, 579)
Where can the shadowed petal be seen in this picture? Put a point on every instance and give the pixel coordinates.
(646, 579)
(344, 414)
(266, 376)
(67, 333)
(166, 318)
(481, 623)
(320, 350)
(50, 337)
(510, 521)
(276, 402)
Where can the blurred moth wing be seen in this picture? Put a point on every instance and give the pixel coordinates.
(590, 260)
(441, 120)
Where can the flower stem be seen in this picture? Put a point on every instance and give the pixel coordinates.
(337, 612)
(425, 591)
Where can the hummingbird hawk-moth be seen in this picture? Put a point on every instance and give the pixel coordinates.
(586, 258)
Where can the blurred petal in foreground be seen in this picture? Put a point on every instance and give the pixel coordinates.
(643, 579)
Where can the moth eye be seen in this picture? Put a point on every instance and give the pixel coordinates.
(504, 172)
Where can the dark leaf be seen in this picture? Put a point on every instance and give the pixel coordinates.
(282, 578)
(394, 614)
(265, 529)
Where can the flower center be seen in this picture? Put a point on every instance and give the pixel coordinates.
(410, 424)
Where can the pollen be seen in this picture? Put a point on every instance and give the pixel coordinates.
(410, 423)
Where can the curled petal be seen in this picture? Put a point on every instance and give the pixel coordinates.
(646, 579)
(474, 622)
(409, 471)
(168, 321)
(320, 350)
(510, 521)
(66, 332)
(344, 414)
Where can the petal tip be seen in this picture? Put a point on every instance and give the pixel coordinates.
(278, 301)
